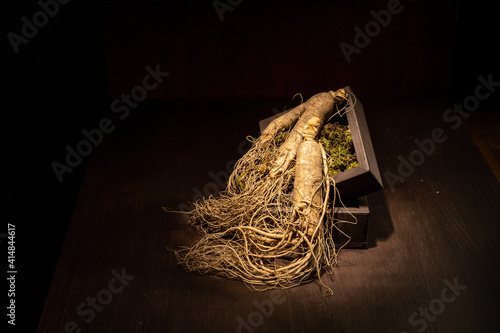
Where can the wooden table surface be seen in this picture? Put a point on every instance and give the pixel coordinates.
(432, 264)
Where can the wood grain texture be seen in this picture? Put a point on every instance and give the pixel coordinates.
(352, 226)
(484, 131)
(252, 49)
(440, 224)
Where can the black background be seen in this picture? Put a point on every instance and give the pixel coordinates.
(64, 79)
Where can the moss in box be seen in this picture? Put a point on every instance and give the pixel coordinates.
(337, 141)
(335, 138)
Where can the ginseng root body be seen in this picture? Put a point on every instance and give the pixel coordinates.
(316, 112)
(267, 229)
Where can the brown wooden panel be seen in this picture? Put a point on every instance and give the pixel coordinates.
(438, 227)
(260, 51)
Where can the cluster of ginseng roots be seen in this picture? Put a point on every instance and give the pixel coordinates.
(251, 232)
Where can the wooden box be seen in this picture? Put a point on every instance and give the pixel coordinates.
(356, 183)
(365, 178)
(358, 231)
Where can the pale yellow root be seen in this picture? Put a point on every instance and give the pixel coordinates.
(282, 123)
(308, 191)
(247, 232)
(318, 109)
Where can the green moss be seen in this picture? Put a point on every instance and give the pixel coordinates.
(337, 141)
(240, 181)
(280, 138)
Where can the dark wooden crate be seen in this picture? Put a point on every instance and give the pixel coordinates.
(365, 178)
(359, 231)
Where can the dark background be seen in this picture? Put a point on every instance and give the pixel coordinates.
(65, 78)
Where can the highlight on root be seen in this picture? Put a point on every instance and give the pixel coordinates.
(273, 226)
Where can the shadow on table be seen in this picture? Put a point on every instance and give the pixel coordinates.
(380, 225)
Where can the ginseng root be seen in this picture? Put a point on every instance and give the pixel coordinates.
(251, 236)
(308, 193)
(319, 107)
(268, 227)
(282, 123)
